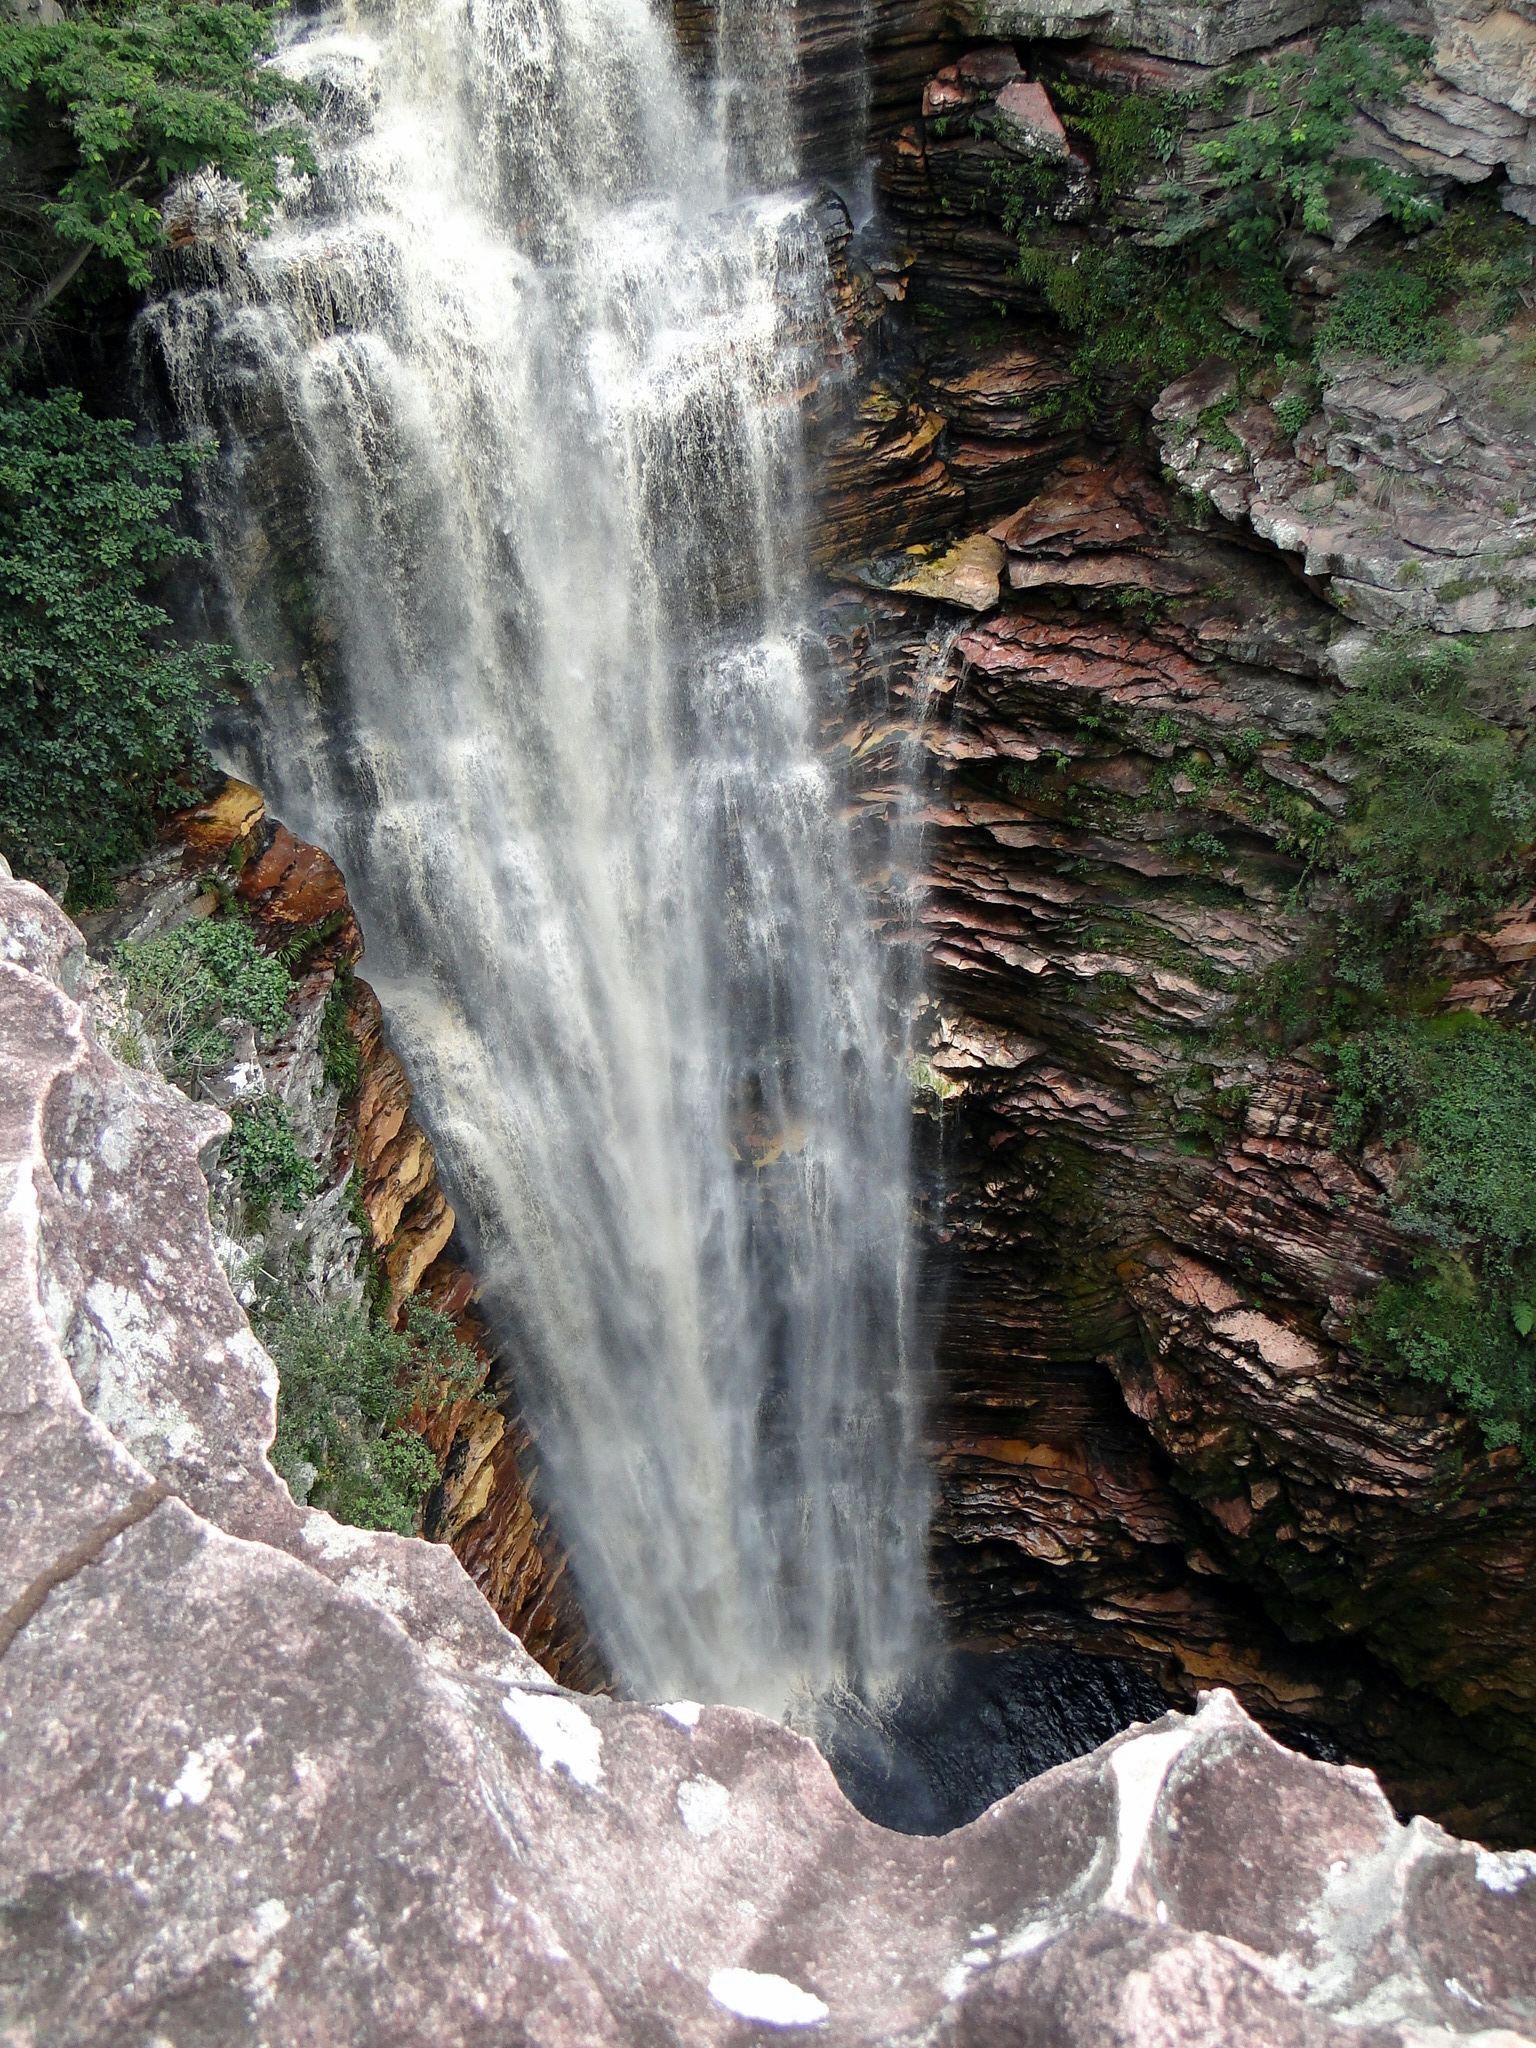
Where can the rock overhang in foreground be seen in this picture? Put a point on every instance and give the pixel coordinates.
(269, 1779)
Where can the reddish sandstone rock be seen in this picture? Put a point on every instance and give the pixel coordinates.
(1027, 123)
(294, 885)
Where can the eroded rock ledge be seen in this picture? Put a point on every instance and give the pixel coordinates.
(273, 1779)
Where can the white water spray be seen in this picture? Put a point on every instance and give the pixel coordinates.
(515, 380)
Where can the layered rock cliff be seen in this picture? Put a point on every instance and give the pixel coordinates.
(268, 1775)
(1107, 619)
(1093, 587)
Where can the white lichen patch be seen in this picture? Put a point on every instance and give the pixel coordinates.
(193, 1784)
(334, 1539)
(705, 1806)
(375, 1583)
(563, 1733)
(771, 2001)
(1505, 1870)
(684, 1712)
(121, 1356)
(244, 1349)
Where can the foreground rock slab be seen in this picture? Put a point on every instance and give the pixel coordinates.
(268, 1779)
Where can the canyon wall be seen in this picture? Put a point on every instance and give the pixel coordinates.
(1081, 641)
(1110, 627)
(377, 1222)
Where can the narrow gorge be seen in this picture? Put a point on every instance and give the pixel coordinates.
(901, 637)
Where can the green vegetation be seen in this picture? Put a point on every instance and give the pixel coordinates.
(103, 111)
(1442, 802)
(1463, 1095)
(1382, 313)
(346, 1390)
(264, 1156)
(342, 1068)
(186, 987)
(927, 1079)
(1271, 167)
(1206, 274)
(99, 712)
(185, 984)
(1132, 311)
(1126, 132)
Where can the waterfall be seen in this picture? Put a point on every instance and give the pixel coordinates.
(509, 399)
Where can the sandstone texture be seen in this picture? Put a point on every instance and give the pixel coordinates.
(1152, 1430)
(1411, 497)
(273, 1779)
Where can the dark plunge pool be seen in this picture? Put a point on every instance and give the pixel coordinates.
(937, 1749)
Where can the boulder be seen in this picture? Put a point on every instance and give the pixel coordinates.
(1027, 123)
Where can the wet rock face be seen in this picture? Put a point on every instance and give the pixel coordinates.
(267, 1776)
(1153, 1435)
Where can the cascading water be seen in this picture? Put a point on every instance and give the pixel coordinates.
(536, 372)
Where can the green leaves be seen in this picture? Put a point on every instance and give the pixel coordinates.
(1463, 1096)
(346, 1394)
(1156, 302)
(186, 982)
(136, 102)
(99, 710)
(265, 1158)
(1127, 132)
(1298, 121)
(1442, 798)
(1388, 314)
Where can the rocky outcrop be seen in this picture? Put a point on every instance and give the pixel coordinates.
(1411, 497)
(379, 1207)
(266, 1774)
(1153, 1433)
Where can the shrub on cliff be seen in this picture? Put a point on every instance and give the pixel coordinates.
(264, 1156)
(1461, 1096)
(100, 709)
(1443, 795)
(346, 1388)
(1205, 272)
(185, 985)
(1272, 165)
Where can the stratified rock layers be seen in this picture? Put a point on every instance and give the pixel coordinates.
(1147, 1250)
(271, 1777)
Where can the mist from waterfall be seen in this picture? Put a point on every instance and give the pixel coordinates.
(540, 365)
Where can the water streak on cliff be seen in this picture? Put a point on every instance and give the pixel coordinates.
(539, 365)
